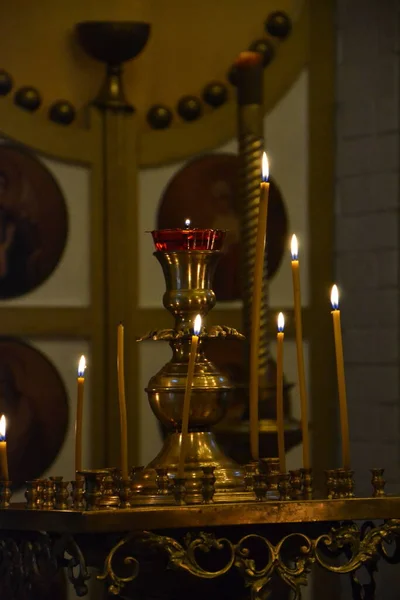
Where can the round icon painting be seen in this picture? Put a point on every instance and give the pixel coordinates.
(33, 222)
(35, 404)
(205, 191)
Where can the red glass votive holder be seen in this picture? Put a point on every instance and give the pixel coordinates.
(188, 239)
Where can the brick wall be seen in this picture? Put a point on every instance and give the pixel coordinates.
(367, 237)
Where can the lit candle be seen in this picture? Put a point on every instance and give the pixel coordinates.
(3, 450)
(344, 421)
(122, 403)
(186, 400)
(187, 223)
(79, 415)
(279, 393)
(300, 355)
(256, 309)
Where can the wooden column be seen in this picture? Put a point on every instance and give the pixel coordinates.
(121, 252)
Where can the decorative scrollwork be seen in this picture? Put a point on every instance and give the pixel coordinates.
(215, 331)
(360, 548)
(292, 558)
(185, 557)
(24, 560)
(118, 582)
(293, 572)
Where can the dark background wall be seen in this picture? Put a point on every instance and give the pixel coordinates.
(367, 236)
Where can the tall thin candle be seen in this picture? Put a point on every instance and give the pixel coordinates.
(256, 309)
(122, 402)
(300, 354)
(344, 421)
(279, 393)
(186, 400)
(79, 414)
(3, 450)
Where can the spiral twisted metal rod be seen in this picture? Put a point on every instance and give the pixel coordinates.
(251, 147)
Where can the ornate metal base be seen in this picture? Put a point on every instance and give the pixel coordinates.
(203, 450)
(253, 547)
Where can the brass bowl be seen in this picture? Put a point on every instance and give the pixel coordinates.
(207, 406)
(112, 42)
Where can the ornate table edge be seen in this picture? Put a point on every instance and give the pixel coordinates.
(24, 558)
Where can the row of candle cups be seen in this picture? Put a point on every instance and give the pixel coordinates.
(340, 483)
(104, 488)
(267, 482)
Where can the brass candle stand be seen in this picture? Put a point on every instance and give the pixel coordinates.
(188, 276)
(222, 530)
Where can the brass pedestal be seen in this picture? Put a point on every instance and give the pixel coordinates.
(203, 450)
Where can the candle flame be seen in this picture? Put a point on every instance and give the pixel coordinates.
(335, 297)
(265, 167)
(294, 247)
(2, 428)
(281, 322)
(82, 367)
(197, 325)
(187, 223)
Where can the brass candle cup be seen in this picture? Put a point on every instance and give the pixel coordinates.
(260, 486)
(109, 497)
(284, 486)
(307, 483)
(348, 483)
(32, 494)
(340, 475)
(296, 484)
(378, 483)
(330, 483)
(5, 493)
(93, 486)
(78, 493)
(48, 494)
(61, 493)
(178, 489)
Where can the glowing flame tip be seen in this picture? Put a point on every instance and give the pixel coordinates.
(187, 223)
(294, 247)
(82, 366)
(197, 325)
(2, 428)
(281, 322)
(335, 297)
(265, 167)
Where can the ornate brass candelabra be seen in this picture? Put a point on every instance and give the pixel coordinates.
(157, 535)
(188, 275)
